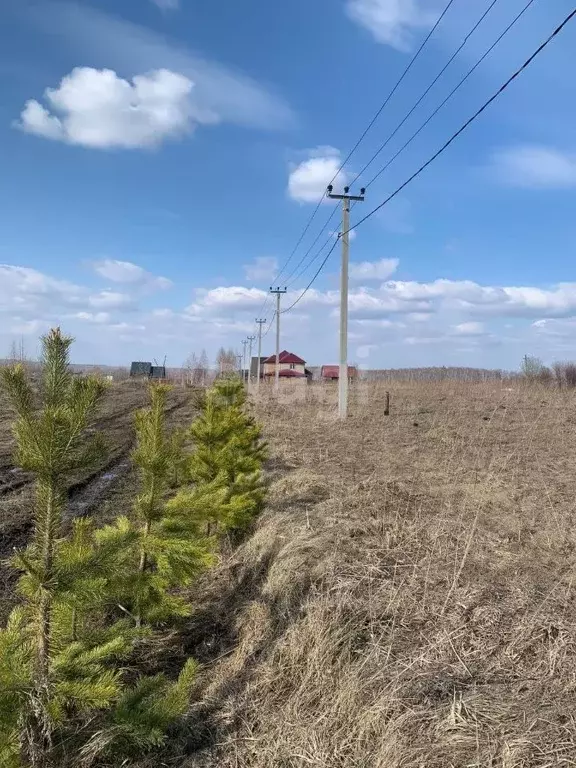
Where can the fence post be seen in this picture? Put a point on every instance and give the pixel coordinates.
(387, 407)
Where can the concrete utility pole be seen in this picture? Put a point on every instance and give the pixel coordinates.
(244, 342)
(345, 236)
(278, 292)
(250, 340)
(260, 324)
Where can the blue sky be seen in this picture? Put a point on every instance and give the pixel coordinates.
(160, 159)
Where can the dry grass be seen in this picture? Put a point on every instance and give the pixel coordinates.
(407, 599)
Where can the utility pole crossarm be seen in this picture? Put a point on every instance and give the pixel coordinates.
(345, 236)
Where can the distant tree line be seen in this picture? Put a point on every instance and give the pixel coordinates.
(440, 373)
(563, 374)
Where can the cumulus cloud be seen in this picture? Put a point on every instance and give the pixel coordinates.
(26, 289)
(235, 297)
(556, 327)
(262, 268)
(96, 108)
(471, 328)
(392, 22)
(308, 180)
(111, 300)
(93, 317)
(127, 272)
(535, 167)
(104, 40)
(373, 270)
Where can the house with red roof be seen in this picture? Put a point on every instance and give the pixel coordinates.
(291, 366)
(332, 372)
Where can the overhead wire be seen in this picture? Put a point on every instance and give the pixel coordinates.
(320, 268)
(470, 120)
(289, 280)
(365, 133)
(410, 112)
(443, 148)
(426, 92)
(456, 88)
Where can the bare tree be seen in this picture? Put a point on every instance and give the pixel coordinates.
(226, 360)
(203, 368)
(17, 351)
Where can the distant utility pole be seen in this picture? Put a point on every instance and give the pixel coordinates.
(260, 322)
(345, 236)
(278, 292)
(250, 340)
(239, 361)
(244, 342)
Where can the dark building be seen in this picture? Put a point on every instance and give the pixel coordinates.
(158, 372)
(141, 369)
(147, 370)
(254, 367)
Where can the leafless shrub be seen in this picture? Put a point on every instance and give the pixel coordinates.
(565, 374)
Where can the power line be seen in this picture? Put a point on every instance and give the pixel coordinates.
(303, 259)
(317, 255)
(391, 136)
(445, 146)
(477, 114)
(426, 92)
(305, 291)
(447, 99)
(365, 133)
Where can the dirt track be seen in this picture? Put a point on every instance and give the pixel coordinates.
(87, 492)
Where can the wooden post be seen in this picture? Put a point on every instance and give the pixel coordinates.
(387, 406)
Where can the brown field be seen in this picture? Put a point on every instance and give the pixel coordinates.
(405, 601)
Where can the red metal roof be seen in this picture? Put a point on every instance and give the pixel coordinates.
(286, 357)
(288, 373)
(333, 371)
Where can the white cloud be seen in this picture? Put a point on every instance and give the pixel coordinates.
(224, 299)
(471, 328)
(392, 22)
(96, 108)
(535, 167)
(123, 326)
(262, 268)
(556, 327)
(307, 181)
(127, 272)
(364, 350)
(26, 289)
(29, 327)
(93, 317)
(106, 41)
(373, 270)
(110, 300)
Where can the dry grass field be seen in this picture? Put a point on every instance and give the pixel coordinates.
(407, 599)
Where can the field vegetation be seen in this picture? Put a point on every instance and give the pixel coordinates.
(401, 597)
